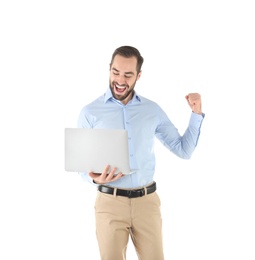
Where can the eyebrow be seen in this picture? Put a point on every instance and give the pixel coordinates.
(126, 73)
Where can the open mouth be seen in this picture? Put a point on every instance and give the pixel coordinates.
(119, 89)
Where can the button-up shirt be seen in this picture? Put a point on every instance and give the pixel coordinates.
(144, 120)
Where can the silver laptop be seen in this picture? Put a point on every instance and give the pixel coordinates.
(89, 149)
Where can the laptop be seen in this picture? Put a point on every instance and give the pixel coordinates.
(91, 149)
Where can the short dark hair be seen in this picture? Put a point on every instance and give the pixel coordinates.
(129, 51)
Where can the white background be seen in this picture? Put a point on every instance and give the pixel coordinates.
(55, 59)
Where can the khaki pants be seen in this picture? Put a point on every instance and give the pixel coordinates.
(119, 217)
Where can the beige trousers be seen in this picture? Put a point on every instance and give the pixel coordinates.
(118, 218)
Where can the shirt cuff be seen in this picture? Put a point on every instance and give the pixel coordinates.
(196, 119)
(87, 178)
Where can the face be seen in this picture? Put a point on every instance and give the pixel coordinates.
(123, 77)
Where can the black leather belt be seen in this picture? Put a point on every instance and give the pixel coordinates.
(128, 193)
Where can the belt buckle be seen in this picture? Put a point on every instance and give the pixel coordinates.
(141, 193)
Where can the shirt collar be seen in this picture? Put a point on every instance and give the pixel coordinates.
(108, 96)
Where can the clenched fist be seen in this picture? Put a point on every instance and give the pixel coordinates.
(194, 101)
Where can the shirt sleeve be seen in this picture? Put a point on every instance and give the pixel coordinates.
(181, 145)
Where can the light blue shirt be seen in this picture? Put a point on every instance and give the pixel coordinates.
(144, 120)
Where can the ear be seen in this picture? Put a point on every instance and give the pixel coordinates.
(139, 75)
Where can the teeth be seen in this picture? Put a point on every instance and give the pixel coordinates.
(120, 86)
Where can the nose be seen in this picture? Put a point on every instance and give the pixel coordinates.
(121, 79)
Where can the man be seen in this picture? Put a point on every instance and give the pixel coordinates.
(128, 205)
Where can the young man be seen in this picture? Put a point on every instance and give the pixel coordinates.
(128, 205)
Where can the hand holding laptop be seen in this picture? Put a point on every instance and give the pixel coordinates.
(106, 176)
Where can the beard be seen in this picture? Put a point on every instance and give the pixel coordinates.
(129, 91)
